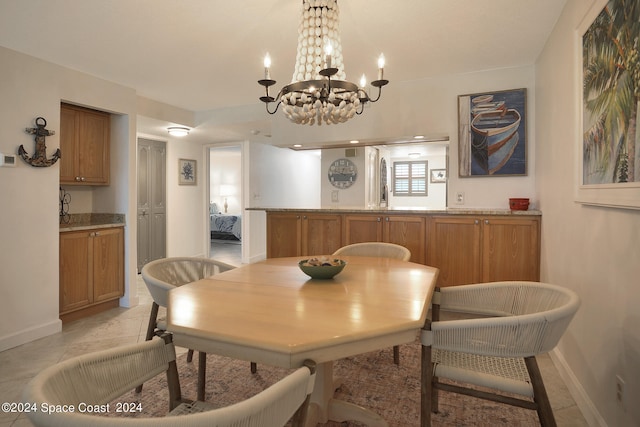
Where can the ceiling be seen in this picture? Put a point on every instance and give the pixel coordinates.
(202, 55)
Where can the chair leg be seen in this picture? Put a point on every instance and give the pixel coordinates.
(153, 317)
(540, 397)
(202, 374)
(396, 354)
(190, 355)
(173, 380)
(254, 367)
(151, 328)
(426, 386)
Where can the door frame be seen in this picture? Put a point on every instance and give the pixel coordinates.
(208, 149)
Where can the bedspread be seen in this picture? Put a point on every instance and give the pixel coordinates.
(223, 223)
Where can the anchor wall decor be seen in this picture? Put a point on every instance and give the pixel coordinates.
(39, 159)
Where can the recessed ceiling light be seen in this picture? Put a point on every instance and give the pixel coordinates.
(297, 145)
(178, 131)
(414, 155)
(354, 141)
(418, 137)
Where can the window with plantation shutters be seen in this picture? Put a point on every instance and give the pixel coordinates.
(410, 178)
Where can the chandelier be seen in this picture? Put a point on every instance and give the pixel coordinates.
(319, 91)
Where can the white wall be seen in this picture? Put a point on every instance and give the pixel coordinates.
(352, 197)
(594, 251)
(187, 206)
(430, 107)
(29, 273)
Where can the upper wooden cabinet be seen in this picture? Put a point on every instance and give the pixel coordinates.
(404, 230)
(84, 143)
(474, 249)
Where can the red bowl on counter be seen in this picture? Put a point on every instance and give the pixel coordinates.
(517, 204)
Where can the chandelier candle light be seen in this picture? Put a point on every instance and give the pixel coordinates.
(319, 91)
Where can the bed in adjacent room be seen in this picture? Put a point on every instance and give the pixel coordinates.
(224, 226)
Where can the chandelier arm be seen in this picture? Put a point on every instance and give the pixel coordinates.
(378, 97)
(266, 104)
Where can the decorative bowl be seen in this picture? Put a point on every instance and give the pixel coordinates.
(323, 270)
(518, 204)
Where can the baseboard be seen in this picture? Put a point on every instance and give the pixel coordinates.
(586, 406)
(254, 258)
(30, 334)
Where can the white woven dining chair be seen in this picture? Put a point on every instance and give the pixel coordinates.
(164, 274)
(99, 378)
(375, 249)
(382, 250)
(510, 323)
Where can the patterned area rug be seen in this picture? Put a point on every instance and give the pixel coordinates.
(371, 380)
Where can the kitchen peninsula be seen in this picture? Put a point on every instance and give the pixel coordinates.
(467, 245)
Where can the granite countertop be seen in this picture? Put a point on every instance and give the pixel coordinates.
(88, 221)
(425, 211)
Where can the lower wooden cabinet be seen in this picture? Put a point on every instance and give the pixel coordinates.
(301, 234)
(91, 271)
(465, 248)
(474, 249)
(404, 230)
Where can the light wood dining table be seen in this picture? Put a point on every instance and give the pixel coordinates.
(271, 313)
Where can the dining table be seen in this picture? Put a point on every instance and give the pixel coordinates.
(270, 312)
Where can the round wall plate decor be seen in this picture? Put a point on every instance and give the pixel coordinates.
(342, 173)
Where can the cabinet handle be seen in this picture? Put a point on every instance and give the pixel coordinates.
(379, 219)
(476, 222)
(486, 221)
(78, 178)
(304, 217)
(387, 219)
(83, 179)
(297, 216)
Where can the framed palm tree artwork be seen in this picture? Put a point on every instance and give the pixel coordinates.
(608, 40)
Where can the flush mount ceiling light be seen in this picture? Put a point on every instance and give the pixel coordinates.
(178, 131)
(319, 92)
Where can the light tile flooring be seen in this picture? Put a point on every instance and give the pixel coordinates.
(128, 325)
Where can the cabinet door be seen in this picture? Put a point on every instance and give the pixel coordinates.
(84, 143)
(511, 249)
(93, 148)
(407, 231)
(454, 248)
(362, 228)
(75, 279)
(108, 263)
(284, 235)
(322, 234)
(69, 125)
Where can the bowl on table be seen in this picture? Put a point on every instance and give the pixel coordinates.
(321, 268)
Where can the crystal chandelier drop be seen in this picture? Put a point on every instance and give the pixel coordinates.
(319, 91)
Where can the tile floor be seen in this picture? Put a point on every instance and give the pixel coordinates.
(128, 325)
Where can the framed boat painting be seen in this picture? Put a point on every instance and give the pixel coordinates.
(492, 134)
(608, 152)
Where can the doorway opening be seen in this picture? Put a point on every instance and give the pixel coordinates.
(225, 203)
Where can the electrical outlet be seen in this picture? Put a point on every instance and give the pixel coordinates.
(460, 198)
(334, 196)
(620, 390)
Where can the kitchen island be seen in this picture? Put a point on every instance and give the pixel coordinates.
(467, 245)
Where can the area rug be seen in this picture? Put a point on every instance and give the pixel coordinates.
(371, 380)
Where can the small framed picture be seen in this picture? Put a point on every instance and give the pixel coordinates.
(187, 172)
(438, 176)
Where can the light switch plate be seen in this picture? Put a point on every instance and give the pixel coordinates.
(7, 160)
